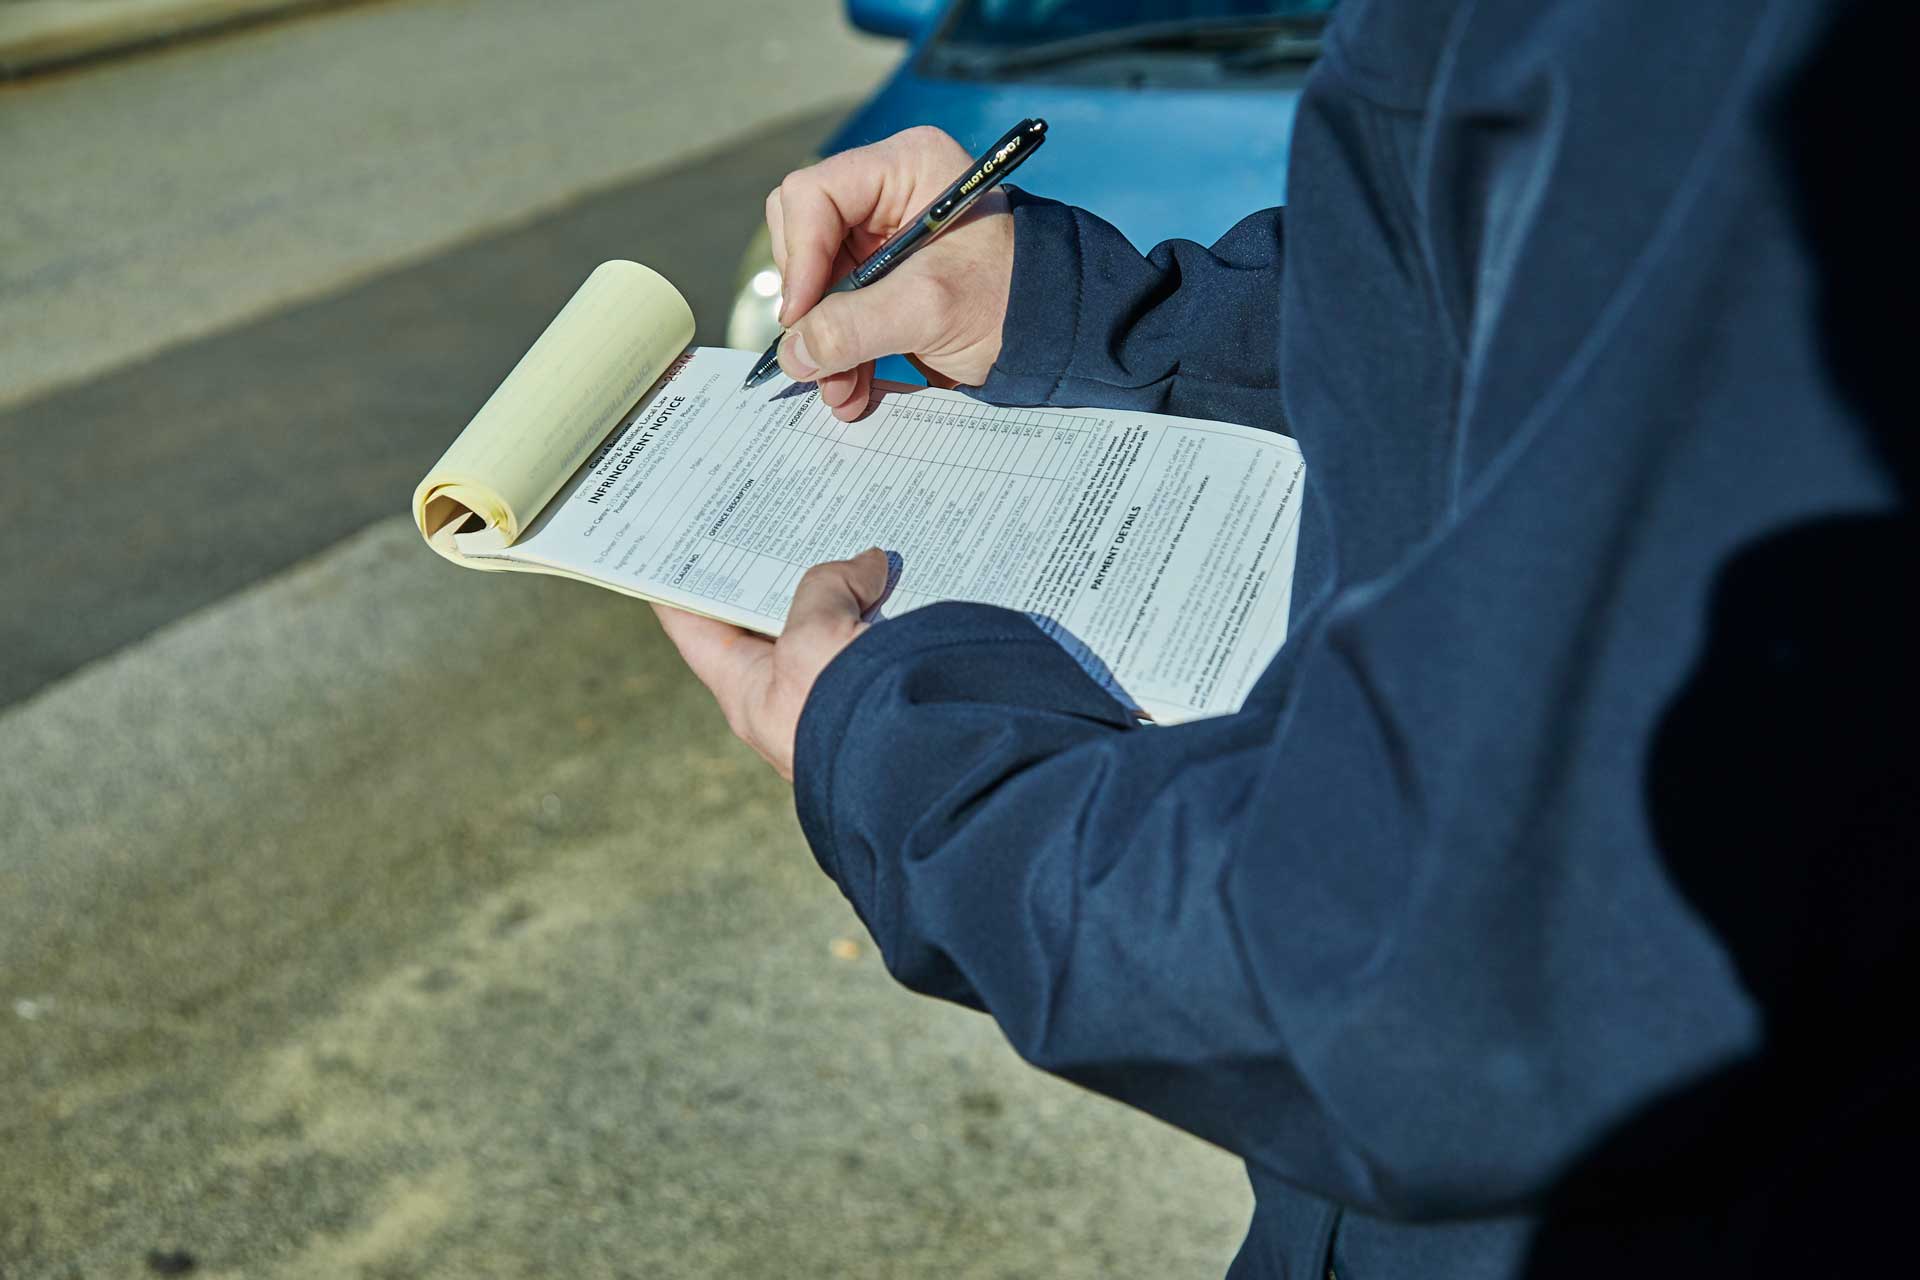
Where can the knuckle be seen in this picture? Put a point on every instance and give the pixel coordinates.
(861, 156)
(926, 135)
(828, 338)
(935, 146)
(792, 188)
(818, 576)
(801, 183)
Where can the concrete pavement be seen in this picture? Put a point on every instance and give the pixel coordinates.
(158, 488)
(395, 920)
(165, 197)
(361, 916)
(38, 35)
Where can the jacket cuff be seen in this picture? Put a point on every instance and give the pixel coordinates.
(1043, 306)
(952, 652)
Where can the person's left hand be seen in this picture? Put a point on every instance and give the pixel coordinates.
(762, 684)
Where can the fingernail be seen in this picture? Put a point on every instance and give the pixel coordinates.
(894, 563)
(799, 364)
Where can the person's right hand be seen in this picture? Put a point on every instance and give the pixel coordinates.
(942, 308)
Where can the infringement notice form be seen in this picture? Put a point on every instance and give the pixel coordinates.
(1164, 545)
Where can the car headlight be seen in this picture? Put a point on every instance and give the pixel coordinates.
(754, 322)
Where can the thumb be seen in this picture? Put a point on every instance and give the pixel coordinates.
(838, 594)
(845, 330)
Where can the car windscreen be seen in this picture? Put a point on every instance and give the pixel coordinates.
(990, 39)
(1025, 22)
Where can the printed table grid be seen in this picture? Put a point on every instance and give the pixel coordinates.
(984, 476)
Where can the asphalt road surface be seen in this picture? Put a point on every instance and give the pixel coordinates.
(168, 196)
(360, 916)
(156, 489)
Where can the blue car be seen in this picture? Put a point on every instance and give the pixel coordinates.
(1166, 117)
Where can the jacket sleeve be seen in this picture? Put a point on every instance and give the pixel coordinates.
(1397, 932)
(1258, 941)
(1185, 329)
(1374, 933)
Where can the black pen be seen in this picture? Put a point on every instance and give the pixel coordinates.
(985, 173)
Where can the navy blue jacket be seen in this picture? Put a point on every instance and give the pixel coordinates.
(1407, 933)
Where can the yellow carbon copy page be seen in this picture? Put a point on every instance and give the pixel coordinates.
(612, 341)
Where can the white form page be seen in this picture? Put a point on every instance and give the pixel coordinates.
(1165, 545)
